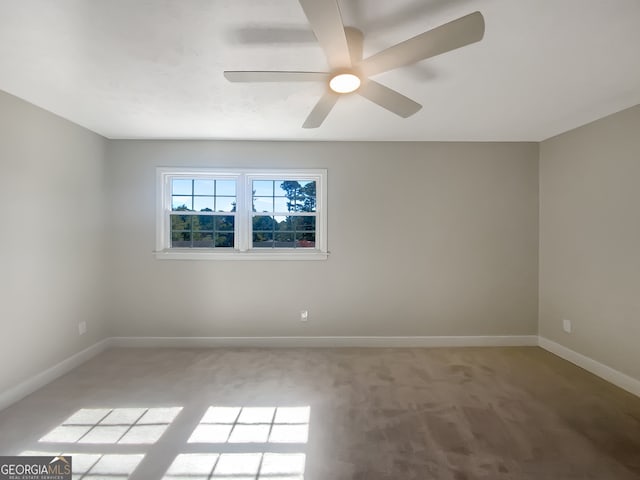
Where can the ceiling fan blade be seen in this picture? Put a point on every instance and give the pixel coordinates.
(321, 110)
(355, 40)
(326, 22)
(235, 76)
(390, 99)
(458, 33)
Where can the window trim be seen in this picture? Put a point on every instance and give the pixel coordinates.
(243, 217)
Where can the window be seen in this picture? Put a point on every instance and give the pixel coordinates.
(241, 214)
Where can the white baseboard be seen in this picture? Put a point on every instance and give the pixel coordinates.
(38, 381)
(609, 374)
(310, 342)
(43, 378)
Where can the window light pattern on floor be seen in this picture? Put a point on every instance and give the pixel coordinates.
(114, 441)
(253, 425)
(237, 466)
(94, 466)
(113, 426)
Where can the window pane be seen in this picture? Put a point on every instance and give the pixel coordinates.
(283, 223)
(225, 204)
(287, 188)
(203, 204)
(263, 240)
(202, 239)
(203, 223)
(181, 186)
(301, 196)
(305, 239)
(284, 240)
(304, 223)
(181, 222)
(263, 223)
(263, 204)
(263, 188)
(203, 187)
(282, 204)
(224, 240)
(224, 224)
(226, 187)
(181, 203)
(309, 190)
(180, 239)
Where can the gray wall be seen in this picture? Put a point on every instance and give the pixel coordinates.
(590, 240)
(51, 247)
(425, 239)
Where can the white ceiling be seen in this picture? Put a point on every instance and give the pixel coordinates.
(153, 68)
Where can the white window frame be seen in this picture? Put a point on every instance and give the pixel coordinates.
(243, 216)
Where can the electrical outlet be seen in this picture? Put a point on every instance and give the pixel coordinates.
(304, 315)
(566, 325)
(82, 328)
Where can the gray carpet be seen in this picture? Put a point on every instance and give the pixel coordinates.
(331, 414)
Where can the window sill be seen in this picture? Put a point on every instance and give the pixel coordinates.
(210, 254)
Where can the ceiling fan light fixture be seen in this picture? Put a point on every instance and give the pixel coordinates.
(344, 83)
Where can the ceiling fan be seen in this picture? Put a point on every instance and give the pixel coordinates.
(350, 72)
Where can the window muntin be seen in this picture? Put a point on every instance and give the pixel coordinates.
(207, 213)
